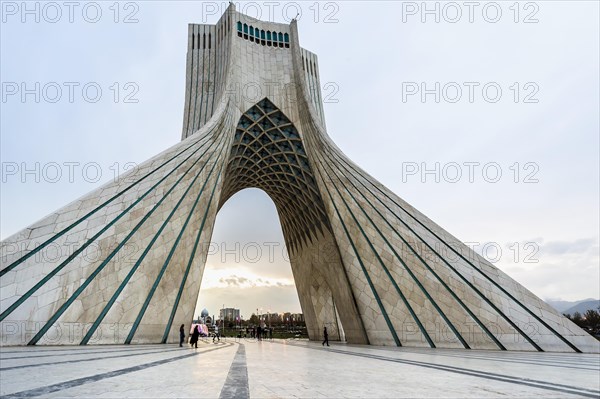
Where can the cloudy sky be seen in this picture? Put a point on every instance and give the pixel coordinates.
(485, 118)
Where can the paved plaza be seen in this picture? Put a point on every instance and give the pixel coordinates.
(290, 369)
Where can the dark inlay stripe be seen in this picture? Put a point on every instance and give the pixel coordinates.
(566, 341)
(364, 270)
(63, 264)
(387, 272)
(93, 211)
(208, 82)
(197, 76)
(438, 278)
(550, 363)
(191, 69)
(73, 351)
(189, 265)
(132, 271)
(136, 353)
(91, 277)
(161, 272)
(590, 393)
(99, 377)
(391, 247)
(214, 82)
(481, 295)
(236, 384)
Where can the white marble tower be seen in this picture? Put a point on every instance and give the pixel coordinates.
(124, 263)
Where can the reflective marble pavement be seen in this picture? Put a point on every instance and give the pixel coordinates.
(291, 369)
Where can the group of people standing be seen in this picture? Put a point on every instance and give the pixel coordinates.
(198, 330)
(255, 332)
(260, 333)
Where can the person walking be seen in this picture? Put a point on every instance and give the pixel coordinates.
(216, 335)
(325, 337)
(195, 334)
(181, 335)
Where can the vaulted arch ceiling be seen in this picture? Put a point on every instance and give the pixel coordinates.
(267, 153)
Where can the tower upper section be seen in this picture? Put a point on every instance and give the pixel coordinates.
(243, 59)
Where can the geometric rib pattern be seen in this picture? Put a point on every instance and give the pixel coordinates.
(267, 153)
(426, 287)
(128, 254)
(124, 263)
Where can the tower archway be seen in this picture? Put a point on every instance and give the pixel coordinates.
(267, 153)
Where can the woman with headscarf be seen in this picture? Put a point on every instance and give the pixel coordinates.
(195, 334)
(181, 336)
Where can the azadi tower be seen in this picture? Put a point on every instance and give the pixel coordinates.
(124, 263)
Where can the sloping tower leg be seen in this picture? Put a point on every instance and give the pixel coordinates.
(321, 282)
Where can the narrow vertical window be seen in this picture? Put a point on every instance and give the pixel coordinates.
(203, 40)
(280, 39)
(251, 33)
(209, 40)
(239, 28)
(193, 41)
(262, 37)
(286, 39)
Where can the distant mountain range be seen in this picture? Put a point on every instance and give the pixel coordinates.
(570, 307)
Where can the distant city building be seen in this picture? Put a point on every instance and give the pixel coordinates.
(297, 317)
(270, 318)
(229, 314)
(289, 316)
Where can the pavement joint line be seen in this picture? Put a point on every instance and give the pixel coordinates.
(98, 377)
(84, 360)
(236, 383)
(509, 360)
(547, 356)
(592, 393)
(69, 347)
(506, 356)
(81, 352)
